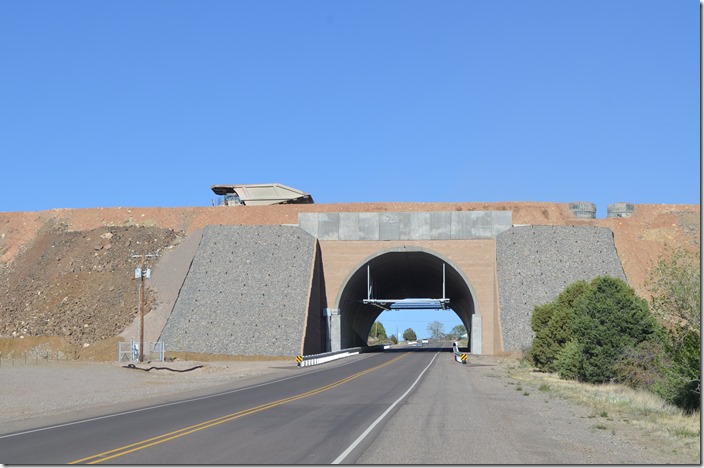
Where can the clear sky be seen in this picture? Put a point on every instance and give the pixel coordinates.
(149, 103)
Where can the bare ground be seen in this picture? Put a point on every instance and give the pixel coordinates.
(40, 392)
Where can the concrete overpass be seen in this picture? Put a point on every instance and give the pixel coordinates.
(409, 255)
(300, 288)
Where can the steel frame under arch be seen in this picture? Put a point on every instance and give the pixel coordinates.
(408, 303)
(407, 264)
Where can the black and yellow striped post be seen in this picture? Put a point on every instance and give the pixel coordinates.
(299, 359)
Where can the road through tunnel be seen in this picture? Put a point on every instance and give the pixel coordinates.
(402, 274)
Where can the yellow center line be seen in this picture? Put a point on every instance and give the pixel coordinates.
(124, 450)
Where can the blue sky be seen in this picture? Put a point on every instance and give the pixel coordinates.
(143, 104)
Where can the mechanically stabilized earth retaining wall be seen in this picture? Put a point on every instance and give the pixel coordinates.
(246, 293)
(535, 264)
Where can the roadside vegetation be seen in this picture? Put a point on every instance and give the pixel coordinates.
(602, 332)
(600, 344)
(619, 409)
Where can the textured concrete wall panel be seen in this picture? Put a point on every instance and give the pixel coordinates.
(441, 225)
(246, 293)
(328, 225)
(535, 264)
(434, 225)
(389, 226)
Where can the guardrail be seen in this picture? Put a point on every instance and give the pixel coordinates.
(459, 357)
(315, 359)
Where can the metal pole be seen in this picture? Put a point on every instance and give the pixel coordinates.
(369, 284)
(141, 316)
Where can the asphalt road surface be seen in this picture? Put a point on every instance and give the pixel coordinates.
(403, 406)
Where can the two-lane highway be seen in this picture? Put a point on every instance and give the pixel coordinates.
(406, 406)
(326, 415)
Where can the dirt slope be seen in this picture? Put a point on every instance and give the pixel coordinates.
(68, 273)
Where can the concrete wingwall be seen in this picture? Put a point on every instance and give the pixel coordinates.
(535, 263)
(247, 293)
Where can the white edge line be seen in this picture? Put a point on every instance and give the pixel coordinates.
(364, 434)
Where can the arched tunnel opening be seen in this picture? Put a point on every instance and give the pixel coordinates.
(400, 274)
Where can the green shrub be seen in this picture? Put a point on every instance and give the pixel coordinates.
(681, 385)
(552, 323)
(542, 350)
(567, 364)
(608, 320)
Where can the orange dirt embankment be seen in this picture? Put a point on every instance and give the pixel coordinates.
(639, 239)
(67, 272)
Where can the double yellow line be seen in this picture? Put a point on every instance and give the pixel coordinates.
(124, 450)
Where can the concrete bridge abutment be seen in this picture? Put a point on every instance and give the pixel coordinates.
(406, 252)
(473, 266)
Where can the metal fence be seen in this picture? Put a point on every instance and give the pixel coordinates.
(33, 357)
(128, 351)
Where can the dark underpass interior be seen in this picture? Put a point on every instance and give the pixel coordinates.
(400, 274)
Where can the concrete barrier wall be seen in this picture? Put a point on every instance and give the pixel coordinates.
(247, 293)
(535, 263)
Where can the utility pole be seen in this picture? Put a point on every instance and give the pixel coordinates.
(142, 273)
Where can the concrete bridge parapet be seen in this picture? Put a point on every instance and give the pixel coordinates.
(382, 226)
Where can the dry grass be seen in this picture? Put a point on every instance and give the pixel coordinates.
(635, 409)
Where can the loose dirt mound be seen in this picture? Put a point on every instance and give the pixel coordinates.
(77, 285)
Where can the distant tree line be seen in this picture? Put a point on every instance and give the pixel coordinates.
(435, 331)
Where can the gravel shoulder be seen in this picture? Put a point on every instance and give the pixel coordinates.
(478, 414)
(35, 395)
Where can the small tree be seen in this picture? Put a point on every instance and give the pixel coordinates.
(675, 285)
(409, 335)
(436, 330)
(457, 331)
(393, 339)
(377, 332)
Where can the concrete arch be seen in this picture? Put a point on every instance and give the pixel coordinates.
(398, 273)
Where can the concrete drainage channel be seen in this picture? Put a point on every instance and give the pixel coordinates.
(316, 359)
